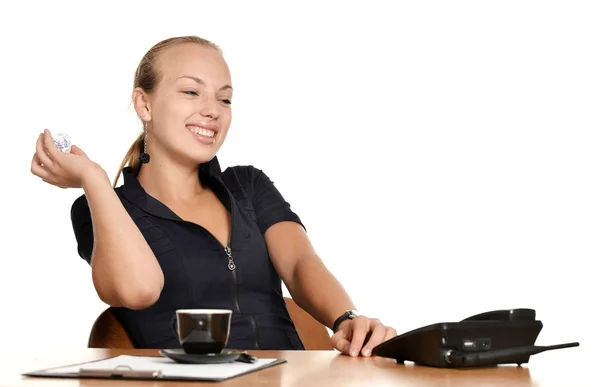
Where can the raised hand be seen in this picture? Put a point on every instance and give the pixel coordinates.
(64, 170)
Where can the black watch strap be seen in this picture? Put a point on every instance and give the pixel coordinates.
(349, 314)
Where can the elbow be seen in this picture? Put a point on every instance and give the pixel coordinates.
(138, 291)
(135, 297)
(140, 297)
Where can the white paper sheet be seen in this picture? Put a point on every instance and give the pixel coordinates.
(168, 367)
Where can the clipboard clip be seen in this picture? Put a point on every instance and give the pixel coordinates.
(120, 372)
(245, 357)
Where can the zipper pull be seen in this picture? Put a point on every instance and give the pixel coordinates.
(231, 264)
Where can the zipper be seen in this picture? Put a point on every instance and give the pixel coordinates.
(231, 267)
(230, 262)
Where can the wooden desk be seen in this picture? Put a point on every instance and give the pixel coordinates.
(306, 368)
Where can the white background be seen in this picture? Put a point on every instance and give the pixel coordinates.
(442, 155)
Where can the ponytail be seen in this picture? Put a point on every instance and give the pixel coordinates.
(132, 158)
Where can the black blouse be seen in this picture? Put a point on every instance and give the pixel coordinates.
(199, 273)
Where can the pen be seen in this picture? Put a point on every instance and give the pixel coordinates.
(126, 372)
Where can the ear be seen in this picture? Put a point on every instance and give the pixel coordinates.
(141, 103)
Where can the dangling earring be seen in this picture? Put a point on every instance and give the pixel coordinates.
(145, 157)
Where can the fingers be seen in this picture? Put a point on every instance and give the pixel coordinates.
(49, 145)
(41, 152)
(77, 151)
(378, 334)
(339, 342)
(360, 329)
(390, 334)
(42, 162)
(365, 334)
(37, 168)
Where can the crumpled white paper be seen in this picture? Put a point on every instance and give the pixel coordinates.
(62, 142)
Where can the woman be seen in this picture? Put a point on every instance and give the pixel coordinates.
(180, 233)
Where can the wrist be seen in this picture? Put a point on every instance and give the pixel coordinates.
(344, 318)
(93, 177)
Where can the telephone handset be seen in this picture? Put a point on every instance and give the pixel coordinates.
(490, 338)
(508, 314)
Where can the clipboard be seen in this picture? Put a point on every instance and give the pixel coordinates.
(154, 368)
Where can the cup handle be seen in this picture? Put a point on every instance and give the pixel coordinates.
(174, 324)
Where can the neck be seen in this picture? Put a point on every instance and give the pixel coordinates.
(169, 182)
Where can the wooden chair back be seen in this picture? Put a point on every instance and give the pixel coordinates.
(107, 331)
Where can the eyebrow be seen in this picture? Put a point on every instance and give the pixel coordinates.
(201, 82)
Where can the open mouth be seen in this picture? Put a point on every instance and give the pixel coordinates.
(206, 136)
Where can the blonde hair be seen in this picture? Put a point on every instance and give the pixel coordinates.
(147, 77)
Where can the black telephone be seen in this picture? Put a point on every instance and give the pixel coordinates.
(491, 338)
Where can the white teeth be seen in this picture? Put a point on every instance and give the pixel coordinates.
(201, 131)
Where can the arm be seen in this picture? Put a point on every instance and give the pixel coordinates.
(124, 269)
(311, 285)
(304, 273)
(318, 292)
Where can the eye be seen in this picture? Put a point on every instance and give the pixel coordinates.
(226, 101)
(191, 92)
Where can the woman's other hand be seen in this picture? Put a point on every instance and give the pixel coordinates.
(64, 170)
(360, 335)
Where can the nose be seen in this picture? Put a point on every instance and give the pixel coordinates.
(209, 109)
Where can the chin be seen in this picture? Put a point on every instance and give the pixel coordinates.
(196, 153)
(203, 156)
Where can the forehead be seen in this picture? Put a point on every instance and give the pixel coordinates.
(192, 59)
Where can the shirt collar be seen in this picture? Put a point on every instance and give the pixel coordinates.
(135, 193)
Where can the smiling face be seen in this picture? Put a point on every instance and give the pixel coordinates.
(189, 110)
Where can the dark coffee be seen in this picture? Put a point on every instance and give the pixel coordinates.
(202, 331)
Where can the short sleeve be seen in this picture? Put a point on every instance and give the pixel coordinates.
(81, 220)
(269, 205)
